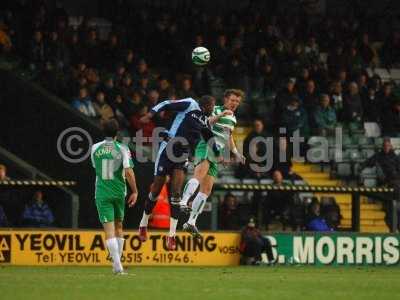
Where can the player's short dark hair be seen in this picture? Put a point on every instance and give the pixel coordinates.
(205, 100)
(111, 128)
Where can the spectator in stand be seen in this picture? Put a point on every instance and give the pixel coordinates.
(229, 215)
(164, 88)
(127, 87)
(386, 98)
(366, 51)
(362, 82)
(120, 110)
(254, 149)
(391, 50)
(3, 218)
(55, 50)
(325, 117)
(314, 220)
(133, 103)
(220, 55)
(84, 104)
(294, 118)
(254, 246)
(336, 94)
(144, 85)
(266, 79)
(74, 49)
(130, 61)
(36, 50)
(371, 106)
(336, 60)
(38, 214)
(103, 110)
(153, 97)
(354, 61)
(92, 49)
(310, 98)
(136, 124)
(3, 173)
(186, 90)
(111, 52)
(286, 95)
(277, 202)
(236, 73)
(388, 163)
(391, 119)
(353, 111)
(142, 69)
(109, 89)
(301, 83)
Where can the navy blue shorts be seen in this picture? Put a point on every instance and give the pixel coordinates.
(167, 160)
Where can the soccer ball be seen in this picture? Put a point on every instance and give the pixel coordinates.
(200, 56)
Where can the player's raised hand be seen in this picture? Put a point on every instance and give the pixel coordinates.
(239, 157)
(227, 112)
(132, 199)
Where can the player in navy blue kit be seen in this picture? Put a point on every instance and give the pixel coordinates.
(191, 123)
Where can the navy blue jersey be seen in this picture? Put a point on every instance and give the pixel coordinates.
(189, 123)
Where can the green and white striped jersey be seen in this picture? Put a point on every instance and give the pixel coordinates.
(224, 127)
(110, 158)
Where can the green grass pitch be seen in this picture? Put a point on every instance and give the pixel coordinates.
(294, 283)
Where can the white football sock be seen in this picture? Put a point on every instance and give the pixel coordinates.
(145, 220)
(112, 246)
(172, 226)
(197, 207)
(189, 190)
(121, 242)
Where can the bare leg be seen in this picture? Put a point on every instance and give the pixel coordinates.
(193, 184)
(119, 235)
(112, 246)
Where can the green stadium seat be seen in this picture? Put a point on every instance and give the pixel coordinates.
(344, 169)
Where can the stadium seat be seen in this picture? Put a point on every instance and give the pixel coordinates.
(250, 181)
(395, 143)
(395, 74)
(266, 181)
(372, 129)
(383, 74)
(367, 152)
(344, 169)
(370, 182)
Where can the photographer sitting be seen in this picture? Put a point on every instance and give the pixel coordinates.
(255, 248)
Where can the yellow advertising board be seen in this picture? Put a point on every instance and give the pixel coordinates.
(86, 248)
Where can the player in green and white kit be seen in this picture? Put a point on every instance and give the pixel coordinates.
(113, 165)
(206, 169)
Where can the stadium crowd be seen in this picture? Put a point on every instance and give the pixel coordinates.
(297, 72)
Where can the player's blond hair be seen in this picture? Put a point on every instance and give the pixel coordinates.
(236, 92)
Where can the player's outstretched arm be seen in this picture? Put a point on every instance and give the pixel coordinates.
(238, 156)
(214, 119)
(130, 178)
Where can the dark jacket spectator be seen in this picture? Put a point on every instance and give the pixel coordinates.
(371, 106)
(310, 97)
(186, 90)
(391, 120)
(276, 203)
(353, 111)
(254, 151)
(38, 214)
(229, 215)
(294, 117)
(253, 244)
(387, 161)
